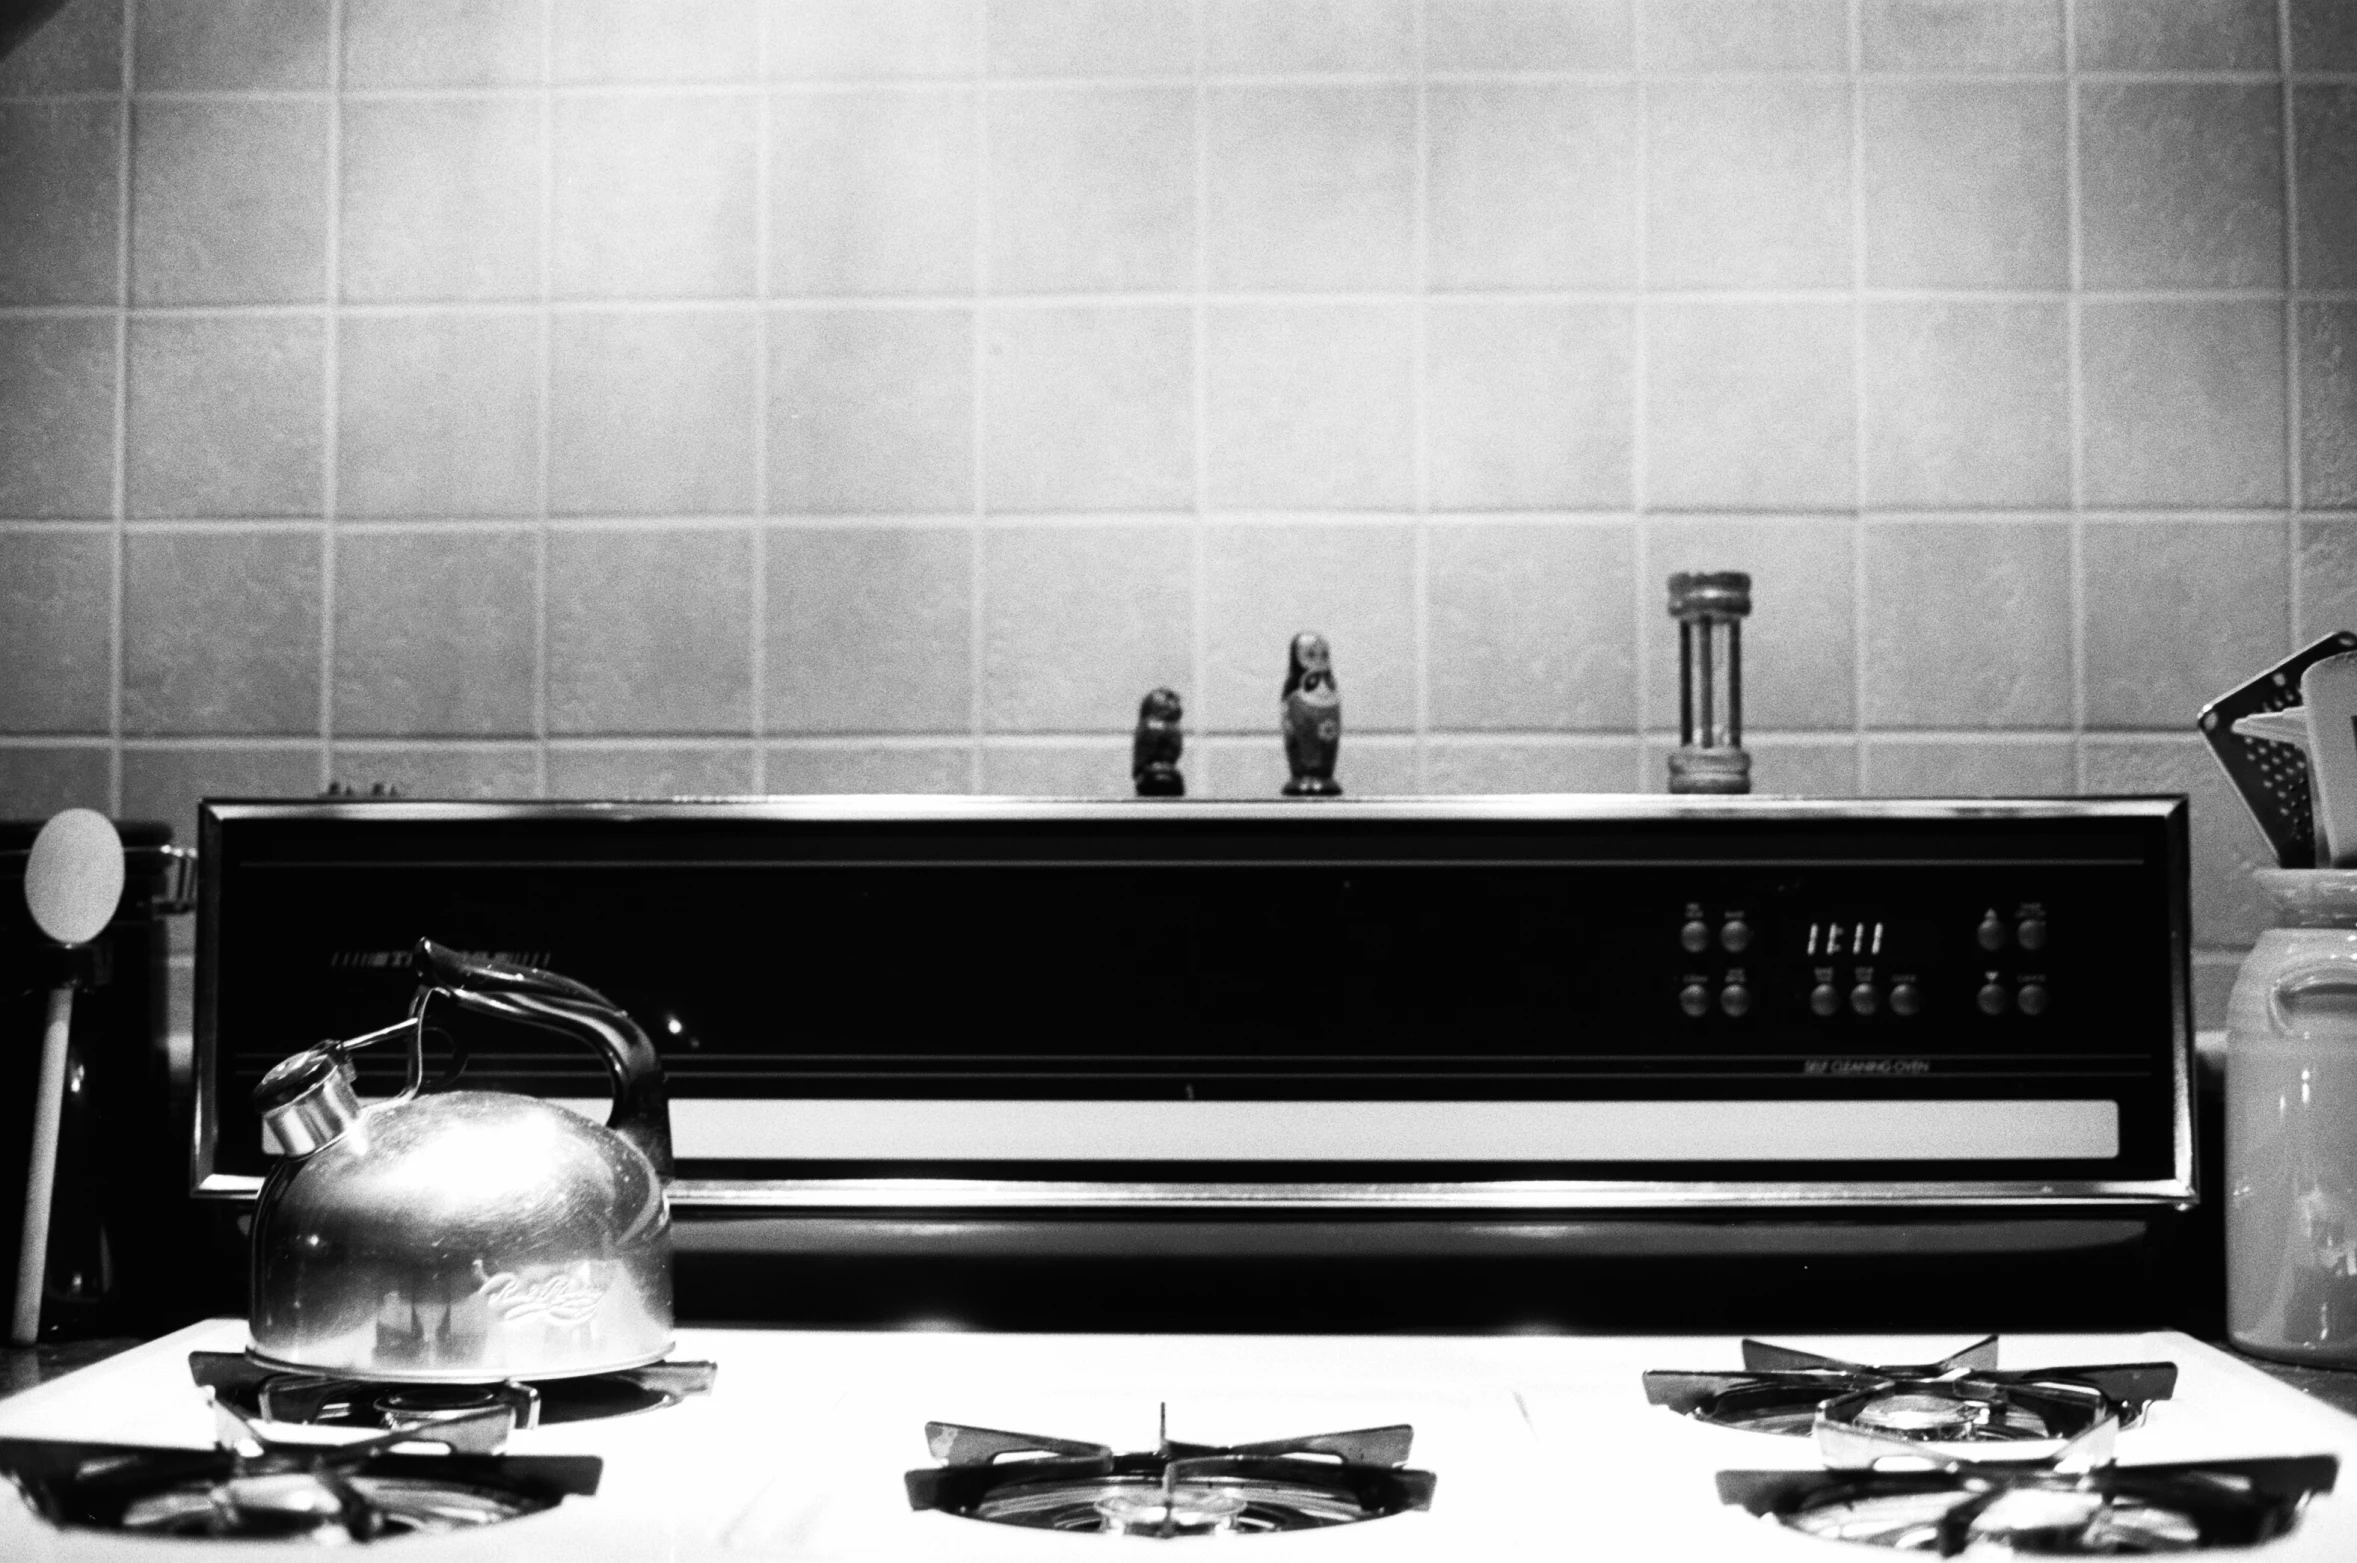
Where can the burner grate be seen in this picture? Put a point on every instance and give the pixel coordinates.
(252, 1487)
(270, 1394)
(2076, 1503)
(1179, 1489)
(1962, 1398)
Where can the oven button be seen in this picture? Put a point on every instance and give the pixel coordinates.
(1993, 998)
(1735, 938)
(1992, 933)
(1695, 936)
(2030, 933)
(1906, 998)
(2032, 998)
(1735, 999)
(1864, 1000)
(1694, 999)
(1824, 1000)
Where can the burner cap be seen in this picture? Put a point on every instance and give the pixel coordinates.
(2036, 1519)
(420, 1405)
(295, 1498)
(1922, 1414)
(1187, 1508)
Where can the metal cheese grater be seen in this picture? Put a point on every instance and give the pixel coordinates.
(2272, 777)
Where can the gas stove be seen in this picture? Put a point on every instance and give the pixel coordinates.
(816, 1445)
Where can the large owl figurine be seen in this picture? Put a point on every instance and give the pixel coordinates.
(1310, 716)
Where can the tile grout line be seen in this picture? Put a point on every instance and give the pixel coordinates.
(827, 86)
(723, 737)
(977, 411)
(2074, 367)
(1641, 550)
(707, 304)
(545, 341)
(1568, 520)
(331, 387)
(120, 497)
(2294, 439)
(1420, 403)
(1199, 390)
(1859, 580)
(764, 215)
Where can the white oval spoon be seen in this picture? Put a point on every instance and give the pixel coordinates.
(73, 882)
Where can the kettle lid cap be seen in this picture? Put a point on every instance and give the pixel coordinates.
(307, 1100)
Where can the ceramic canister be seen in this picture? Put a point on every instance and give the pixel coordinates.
(2291, 1126)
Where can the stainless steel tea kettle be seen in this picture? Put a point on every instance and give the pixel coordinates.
(459, 1236)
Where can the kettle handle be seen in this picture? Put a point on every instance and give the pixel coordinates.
(438, 965)
(532, 997)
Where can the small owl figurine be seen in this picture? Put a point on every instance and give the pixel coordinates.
(1154, 752)
(1310, 717)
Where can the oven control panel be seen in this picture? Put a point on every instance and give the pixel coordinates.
(1869, 969)
(1564, 993)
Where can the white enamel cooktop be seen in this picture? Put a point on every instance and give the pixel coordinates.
(1544, 1445)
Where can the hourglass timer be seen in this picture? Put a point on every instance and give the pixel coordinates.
(1710, 610)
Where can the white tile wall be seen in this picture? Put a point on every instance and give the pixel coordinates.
(503, 397)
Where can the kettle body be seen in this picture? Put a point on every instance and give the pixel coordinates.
(457, 1236)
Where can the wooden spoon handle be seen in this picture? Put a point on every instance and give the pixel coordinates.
(32, 1257)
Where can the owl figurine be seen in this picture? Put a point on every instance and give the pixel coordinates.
(1154, 752)
(1310, 716)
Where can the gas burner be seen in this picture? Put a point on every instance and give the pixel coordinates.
(2077, 1503)
(271, 1394)
(252, 1487)
(1178, 1490)
(1960, 1399)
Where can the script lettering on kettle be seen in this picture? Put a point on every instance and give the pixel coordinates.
(564, 1297)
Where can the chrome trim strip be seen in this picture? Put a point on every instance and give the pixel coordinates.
(885, 807)
(1913, 1235)
(910, 1195)
(869, 1194)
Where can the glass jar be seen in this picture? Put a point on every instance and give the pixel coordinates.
(2291, 1125)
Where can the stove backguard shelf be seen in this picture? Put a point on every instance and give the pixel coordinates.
(984, 1018)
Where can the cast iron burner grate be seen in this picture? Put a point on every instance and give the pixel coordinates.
(252, 1487)
(269, 1394)
(1960, 1399)
(2076, 1503)
(1287, 1484)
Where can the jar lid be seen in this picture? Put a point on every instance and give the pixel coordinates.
(2311, 897)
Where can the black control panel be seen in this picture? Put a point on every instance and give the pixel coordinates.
(1620, 991)
(1887, 968)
